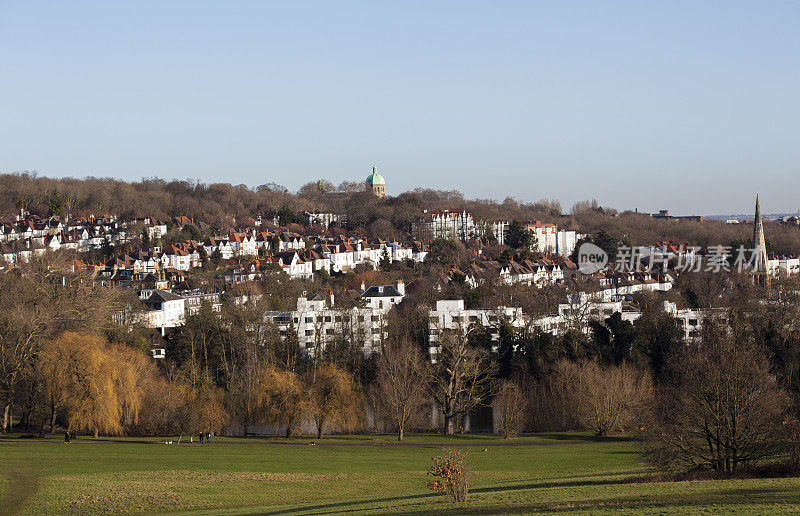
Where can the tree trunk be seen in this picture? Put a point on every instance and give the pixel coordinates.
(8, 422)
(449, 426)
(96, 434)
(52, 417)
(400, 433)
(289, 427)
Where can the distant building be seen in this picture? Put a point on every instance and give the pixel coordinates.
(664, 214)
(325, 219)
(164, 310)
(452, 224)
(384, 296)
(376, 184)
(317, 323)
(566, 240)
(492, 230)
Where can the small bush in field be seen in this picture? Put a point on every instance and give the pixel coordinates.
(451, 470)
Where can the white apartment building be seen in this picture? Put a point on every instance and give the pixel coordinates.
(497, 228)
(783, 266)
(450, 314)
(453, 224)
(566, 240)
(317, 324)
(690, 321)
(325, 219)
(544, 235)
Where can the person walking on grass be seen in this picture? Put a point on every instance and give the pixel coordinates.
(66, 437)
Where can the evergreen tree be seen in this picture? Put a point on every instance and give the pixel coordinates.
(518, 235)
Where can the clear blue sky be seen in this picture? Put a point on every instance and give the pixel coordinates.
(683, 105)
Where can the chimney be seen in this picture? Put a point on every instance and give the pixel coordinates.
(401, 287)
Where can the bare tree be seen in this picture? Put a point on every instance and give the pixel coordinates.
(605, 399)
(722, 409)
(462, 376)
(402, 384)
(509, 406)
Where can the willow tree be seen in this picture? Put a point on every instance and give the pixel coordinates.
(282, 399)
(100, 386)
(333, 399)
(40, 301)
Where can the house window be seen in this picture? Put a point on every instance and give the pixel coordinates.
(309, 319)
(309, 333)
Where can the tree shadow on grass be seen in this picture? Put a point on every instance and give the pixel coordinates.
(22, 485)
(722, 501)
(588, 437)
(357, 505)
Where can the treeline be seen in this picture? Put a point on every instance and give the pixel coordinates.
(223, 205)
(71, 358)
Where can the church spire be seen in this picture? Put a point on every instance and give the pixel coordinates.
(759, 243)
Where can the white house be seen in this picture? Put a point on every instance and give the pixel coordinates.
(164, 310)
(294, 266)
(384, 296)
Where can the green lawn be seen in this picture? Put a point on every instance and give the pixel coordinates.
(356, 475)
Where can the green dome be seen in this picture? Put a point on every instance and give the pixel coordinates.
(375, 178)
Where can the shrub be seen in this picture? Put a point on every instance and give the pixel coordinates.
(450, 467)
(605, 399)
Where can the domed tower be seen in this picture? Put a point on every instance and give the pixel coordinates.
(376, 184)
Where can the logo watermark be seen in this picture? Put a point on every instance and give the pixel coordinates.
(715, 258)
(591, 258)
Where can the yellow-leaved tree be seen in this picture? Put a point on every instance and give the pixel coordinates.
(101, 387)
(334, 399)
(282, 399)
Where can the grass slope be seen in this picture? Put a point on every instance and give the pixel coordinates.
(356, 475)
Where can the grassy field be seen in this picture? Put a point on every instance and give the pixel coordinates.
(356, 475)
